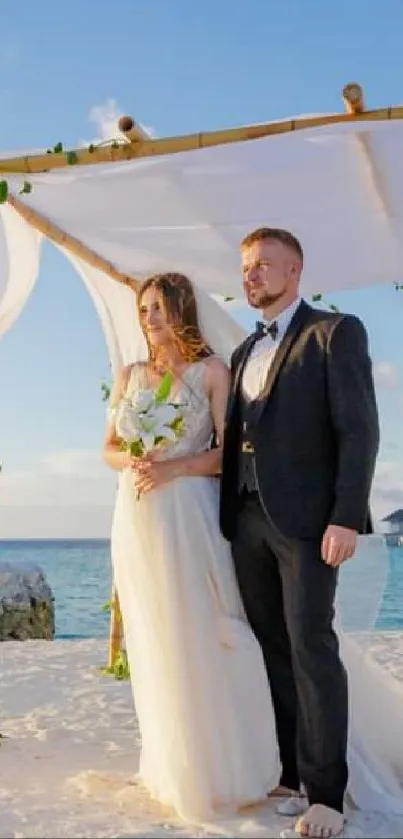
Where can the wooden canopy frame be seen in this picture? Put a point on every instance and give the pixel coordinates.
(135, 143)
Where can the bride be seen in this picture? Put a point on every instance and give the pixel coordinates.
(201, 692)
(202, 698)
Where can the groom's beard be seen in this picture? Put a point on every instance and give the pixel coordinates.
(265, 300)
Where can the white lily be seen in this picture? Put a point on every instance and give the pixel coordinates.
(156, 423)
(145, 421)
(147, 425)
(143, 400)
(126, 421)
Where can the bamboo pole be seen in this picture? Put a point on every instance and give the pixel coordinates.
(132, 130)
(115, 629)
(353, 96)
(115, 152)
(70, 243)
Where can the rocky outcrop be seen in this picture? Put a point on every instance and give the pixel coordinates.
(26, 603)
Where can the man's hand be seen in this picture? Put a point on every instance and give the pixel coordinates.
(338, 544)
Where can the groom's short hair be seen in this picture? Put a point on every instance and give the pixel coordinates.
(276, 234)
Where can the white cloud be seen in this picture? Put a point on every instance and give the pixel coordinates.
(65, 494)
(49, 522)
(60, 479)
(105, 117)
(386, 375)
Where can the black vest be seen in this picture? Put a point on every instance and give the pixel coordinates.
(247, 418)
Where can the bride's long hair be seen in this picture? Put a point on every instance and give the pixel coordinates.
(180, 307)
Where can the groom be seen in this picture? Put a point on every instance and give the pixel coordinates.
(300, 446)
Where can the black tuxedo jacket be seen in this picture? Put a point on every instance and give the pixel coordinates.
(316, 433)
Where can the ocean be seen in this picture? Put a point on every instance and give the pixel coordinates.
(79, 573)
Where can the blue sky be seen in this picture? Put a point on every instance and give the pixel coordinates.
(66, 72)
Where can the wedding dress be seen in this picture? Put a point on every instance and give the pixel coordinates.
(199, 683)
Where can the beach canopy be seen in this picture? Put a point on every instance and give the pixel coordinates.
(137, 205)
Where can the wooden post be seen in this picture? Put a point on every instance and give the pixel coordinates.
(353, 96)
(132, 130)
(115, 628)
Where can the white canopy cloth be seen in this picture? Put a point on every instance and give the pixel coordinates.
(19, 265)
(339, 188)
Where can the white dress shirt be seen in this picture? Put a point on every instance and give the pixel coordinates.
(261, 358)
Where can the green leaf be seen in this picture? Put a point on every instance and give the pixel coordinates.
(136, 449)
(3, 192)
(25, 189)
(317, 297)
(91, 148)
(228, 299)
(106, 392)
(334, 308)
(164, 389)
(58, 148)
(120, 669)
(177, 425)
(72, 158)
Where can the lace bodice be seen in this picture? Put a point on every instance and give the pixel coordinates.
(189, 392)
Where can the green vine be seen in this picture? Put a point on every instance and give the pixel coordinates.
(71, 160)
(120, 669)
(24, 189)
(318, 298)
(106, 391)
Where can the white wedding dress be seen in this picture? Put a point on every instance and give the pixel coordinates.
(200, 688)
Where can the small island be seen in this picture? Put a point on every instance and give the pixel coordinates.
(394, 528)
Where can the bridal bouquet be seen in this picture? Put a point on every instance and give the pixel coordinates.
(148, 420)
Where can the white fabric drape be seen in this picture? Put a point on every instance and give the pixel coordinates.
(338, 187)
(20, 247)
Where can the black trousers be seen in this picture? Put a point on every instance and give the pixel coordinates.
(288, 594)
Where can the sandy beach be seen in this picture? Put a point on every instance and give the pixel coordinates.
(70, 751)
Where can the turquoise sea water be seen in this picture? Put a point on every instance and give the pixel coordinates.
(79, 572)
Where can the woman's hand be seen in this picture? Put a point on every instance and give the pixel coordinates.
(151, 473)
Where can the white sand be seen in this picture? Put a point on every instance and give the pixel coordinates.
(69, 758)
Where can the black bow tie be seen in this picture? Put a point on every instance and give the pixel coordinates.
(263, 329)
